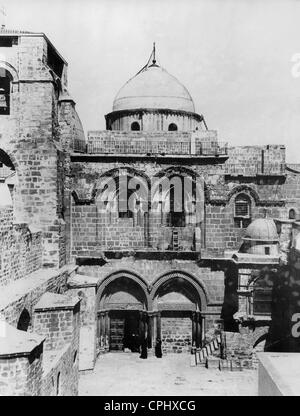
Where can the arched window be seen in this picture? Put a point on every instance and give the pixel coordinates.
(172, 127)
(24, 320)
(135, 126)
(176, 216)
(262, 295)
(242, 211)
(292, 214)
(5, 83)
(124, 195)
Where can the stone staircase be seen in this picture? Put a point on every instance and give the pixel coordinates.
(213, 354)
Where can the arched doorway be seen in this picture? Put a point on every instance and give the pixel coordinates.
(122, 316)
(179, 300)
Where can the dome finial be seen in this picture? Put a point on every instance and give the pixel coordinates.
(153, 54)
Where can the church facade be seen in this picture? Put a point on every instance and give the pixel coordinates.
(152, 232)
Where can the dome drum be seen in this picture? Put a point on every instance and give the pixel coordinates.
(154, 120)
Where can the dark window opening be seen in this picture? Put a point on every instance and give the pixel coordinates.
(123, 202)
(292, 214)
(176, 217)
(267, 251)
(262, 296)
(242, 212)
(135, 126)
(5, 81)
(262, 301)
(24, 321)
(173, 127)
(8, 41)
(54, 61)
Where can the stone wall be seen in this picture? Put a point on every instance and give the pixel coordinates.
(21, 375)
(176, 332)
(60, 377)
(20, 250)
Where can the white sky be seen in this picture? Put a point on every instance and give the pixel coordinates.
(234, 57)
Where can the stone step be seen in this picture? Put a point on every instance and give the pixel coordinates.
(216, 344)
(213, 363)
(230, 365)
(236, 365)
(193, 362)
(225, 365)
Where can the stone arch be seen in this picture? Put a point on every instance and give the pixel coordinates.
(189, 188)
(9, 180)
(199, 287)
(124, 193)
(131, 173)
(24, 320)
(119, 274)
(259, 338)
(10, 69)
(245, 189)
(130, 170)
(123, 301)
(7, 75)
(177, 170)
(179, 298)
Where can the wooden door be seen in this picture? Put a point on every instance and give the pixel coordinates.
(117, 324)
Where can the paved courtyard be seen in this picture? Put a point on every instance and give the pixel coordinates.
(126, 374)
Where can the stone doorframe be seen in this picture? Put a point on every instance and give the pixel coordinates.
(151, 317)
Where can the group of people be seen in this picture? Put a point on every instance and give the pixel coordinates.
(144, 349)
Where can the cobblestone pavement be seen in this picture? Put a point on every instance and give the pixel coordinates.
(126, 374)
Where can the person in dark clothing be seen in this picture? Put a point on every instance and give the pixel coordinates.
(158, 351)
(144, 352)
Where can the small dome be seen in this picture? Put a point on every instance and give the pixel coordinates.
(153, 88)
(262, 229)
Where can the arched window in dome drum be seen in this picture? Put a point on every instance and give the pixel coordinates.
(292, 214)
(135, 126)
(172, 127)
(242, 211)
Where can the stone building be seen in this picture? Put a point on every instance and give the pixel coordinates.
(37, 121)
(151, 230)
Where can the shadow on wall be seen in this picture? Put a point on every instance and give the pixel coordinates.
(284, 332)
(230, 304)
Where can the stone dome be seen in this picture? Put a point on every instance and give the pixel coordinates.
(262, 229)
(153, 88)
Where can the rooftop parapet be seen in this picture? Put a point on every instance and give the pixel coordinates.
(202, 143)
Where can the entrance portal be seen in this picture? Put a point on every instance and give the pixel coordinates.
(122, 317)
(125, 331)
